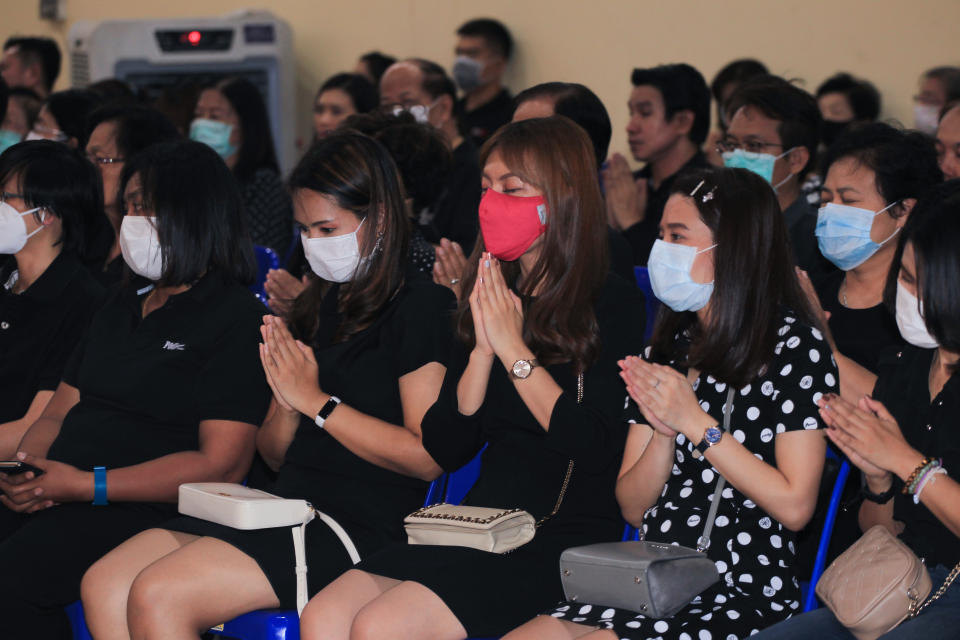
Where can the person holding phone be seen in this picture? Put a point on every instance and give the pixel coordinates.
(164, 388)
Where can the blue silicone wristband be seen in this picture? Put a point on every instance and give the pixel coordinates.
(100, 486)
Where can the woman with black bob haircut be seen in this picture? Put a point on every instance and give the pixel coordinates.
(352, 376)
(734, 330)
(873, 176)
(912, 413)
(115, 133)
(231, 118)
(50, 196)
(340, 97)
(541, 322)
(165, 388)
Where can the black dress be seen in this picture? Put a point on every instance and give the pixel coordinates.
(269, 210)
(524, 466)
(145, 385)
(368, 501)
(753, 552)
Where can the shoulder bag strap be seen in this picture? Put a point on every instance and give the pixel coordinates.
(566, 480)
(704, 542)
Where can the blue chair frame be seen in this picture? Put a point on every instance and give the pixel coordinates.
(810, 601)
(652, 304)
(266, 260)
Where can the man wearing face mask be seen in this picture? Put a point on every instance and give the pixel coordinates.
(483, 49)
(938, 87)
(424, 90)
(774, 132)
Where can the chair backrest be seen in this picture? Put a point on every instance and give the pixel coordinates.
(810, 597)
(266, 260)
(652, 303)
(460, 482)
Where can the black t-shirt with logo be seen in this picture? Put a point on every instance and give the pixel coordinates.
(39, 328)
(146, 383)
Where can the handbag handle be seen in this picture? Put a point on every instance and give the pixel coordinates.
(566, 480)
(703, 543)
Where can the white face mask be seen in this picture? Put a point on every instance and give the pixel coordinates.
(420, 112)
(926, 117)
(140, 246)
(910, 320)
(337, 258)
(13, 228)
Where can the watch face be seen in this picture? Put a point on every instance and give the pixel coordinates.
(713, 435)
(521, 368)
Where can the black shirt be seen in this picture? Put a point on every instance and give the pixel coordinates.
(643, 234)
(39, 329)
(480, 124)
(933, 429)
(269, 210)
(801, 220)
(860, 334)
(455, 216)
(147, 383)
(524, 465)
(414, 329)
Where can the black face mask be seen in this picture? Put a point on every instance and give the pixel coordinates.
(830, 130)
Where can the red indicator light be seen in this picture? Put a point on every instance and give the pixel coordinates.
(194, 37)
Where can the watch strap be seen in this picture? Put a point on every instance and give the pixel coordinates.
(100, 486)
(326, 410)
(879, 498)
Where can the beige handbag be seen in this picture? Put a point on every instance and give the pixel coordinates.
(483, 528)
(876, 584)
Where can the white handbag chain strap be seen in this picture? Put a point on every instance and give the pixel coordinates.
(566, 480)
(703, 543)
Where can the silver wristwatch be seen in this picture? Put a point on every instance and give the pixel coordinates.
(522, 369)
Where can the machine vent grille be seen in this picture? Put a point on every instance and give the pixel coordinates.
(79, 69)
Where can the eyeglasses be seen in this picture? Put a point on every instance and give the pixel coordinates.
(753, 146)
(95, 159)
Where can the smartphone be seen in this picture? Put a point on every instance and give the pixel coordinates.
(16, 467)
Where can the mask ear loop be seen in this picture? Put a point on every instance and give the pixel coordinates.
(895, 231)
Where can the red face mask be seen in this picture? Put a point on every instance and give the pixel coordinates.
(510, 224)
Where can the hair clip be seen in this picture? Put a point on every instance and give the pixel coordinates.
(696, 188)
(708, 196)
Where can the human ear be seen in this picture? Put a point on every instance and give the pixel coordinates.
(906, 206)
(797, 159)
(682, 122)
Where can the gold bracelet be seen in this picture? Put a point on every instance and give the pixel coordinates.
(913, 476)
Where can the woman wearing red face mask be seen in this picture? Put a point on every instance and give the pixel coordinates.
(542, 312)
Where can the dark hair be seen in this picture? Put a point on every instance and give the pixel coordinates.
(555, 155)
(496, 35)
(364, 95)
(683, 89)
(736, 72)
(42, 51)
(377, 63)
(422, 157)
(863, 97)
(934, 230)
(950, 77)
(795, 109)
(136, 127)
(113, 91)
(904, 162)
(436, 82)
(578, 103)
(357, 173)
(178, 102)
(200, 219)
(70, 109)
(754, 278)
(59, 178)
(256, 149)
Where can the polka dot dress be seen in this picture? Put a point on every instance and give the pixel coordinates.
(422, 255)
(753, 552)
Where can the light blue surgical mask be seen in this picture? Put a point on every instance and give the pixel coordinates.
(760, 163)
(843, 234)
(8, 139)
(669, 267)
(467, 73)
(214, 134)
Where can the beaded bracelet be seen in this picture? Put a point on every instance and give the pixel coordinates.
(908, 483)
(928, 478)
(927, 468)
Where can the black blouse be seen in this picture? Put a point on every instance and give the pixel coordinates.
(413, 330)
(523, 465)
(269, 211)
(146, 383)
(933, 429)
(39, 329)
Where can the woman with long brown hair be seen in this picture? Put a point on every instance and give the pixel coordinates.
(352, 376)
(543, 319)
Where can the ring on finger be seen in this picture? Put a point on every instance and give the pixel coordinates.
(454, 281)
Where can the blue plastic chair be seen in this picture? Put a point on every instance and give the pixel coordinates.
(652, 303)
(266, 259)
(77, 622)
(810, 601)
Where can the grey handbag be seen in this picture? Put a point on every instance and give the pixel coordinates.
(651, 578)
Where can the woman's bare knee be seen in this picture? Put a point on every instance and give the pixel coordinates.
(330, 613)
(550, 628)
